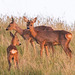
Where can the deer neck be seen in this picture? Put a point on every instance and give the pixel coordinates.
(19, 30)
(12, 44)
(33, 32)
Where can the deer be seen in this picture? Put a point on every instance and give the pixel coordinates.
(25, 33)
(42, 28)
(55, 37)
(12, 52)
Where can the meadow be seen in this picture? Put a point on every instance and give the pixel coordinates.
(31, 64)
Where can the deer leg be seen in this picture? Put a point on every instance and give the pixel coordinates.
(33, 44)
(52, 49)
(17, 60)
(69, 52)
(66, 48)
(42, 47)
(46, 49)
(68, 37)
(27, 44)
(9, 62)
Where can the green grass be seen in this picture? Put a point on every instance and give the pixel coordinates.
(60, 64)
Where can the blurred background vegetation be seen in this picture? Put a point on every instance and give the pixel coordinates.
(60, 64)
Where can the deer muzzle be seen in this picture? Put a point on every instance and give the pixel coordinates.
(6, 29)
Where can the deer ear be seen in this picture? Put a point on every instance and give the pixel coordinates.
(11, 34)
(34, 20)
(12, 19)
(25, 19)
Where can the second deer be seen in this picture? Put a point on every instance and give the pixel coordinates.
(55, 37)
(12, 52)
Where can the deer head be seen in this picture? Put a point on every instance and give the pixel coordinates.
(15, 40)
(30, 23)
(12, 25)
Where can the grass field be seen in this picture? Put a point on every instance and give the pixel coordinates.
(29, 64)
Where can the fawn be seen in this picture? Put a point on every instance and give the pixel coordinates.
(55, 37)
(25, 33)
(12, 52)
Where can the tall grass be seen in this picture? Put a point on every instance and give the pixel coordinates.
(60, 64)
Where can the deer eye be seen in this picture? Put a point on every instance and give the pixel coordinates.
(31, 25)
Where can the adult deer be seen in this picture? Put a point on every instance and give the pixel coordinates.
(59, 37)
(25, 33)
(12, 52)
